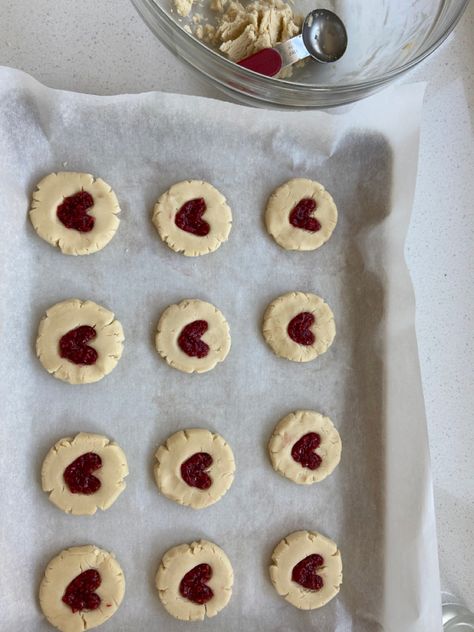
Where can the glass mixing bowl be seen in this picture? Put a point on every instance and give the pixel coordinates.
(386, 38)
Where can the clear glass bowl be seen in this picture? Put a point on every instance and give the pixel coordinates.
(386, 38)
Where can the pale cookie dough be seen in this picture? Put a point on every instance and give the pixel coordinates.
(282, 202)
(180, 560)
(289, 431)
(62, 570)
(63, 318)
(280, 313)
(183, 7)
(50, 193)
(242, 29)
(217, 215)
(173, 321)
(111, 474)
(292, 550)
(181, 446)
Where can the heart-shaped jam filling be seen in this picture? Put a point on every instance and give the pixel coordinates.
(301, 217)
(79, 594)
(299, 329)
(73, 345)
(72, 212)
(190, 341)
(305, 572)
(78, 474)
(193, 470)
(303, 451)
(193, 585)
(189, 217)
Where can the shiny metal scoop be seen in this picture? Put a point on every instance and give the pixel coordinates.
(323, 37)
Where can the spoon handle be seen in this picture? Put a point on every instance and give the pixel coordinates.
(269, 61)
(266, 62)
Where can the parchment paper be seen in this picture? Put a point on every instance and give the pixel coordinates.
(377, 505)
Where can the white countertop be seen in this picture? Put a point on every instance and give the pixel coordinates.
(104, 48)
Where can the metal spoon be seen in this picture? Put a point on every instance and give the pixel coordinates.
(323, 37)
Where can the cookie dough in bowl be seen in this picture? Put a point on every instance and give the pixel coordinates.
(306, 569)
(195, 580)
(79, 341)
(84, 473)
(299, 326)
(301, 215)
(82, 588)
(195, 467)
(305, 447)
(193, 336)
(193, 217)
(76, 212)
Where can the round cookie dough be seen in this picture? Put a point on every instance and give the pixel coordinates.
(173, 325)
(178, 562)
(300, 215)
(111, 472)
(193, 217)
(181, 447)
(52, 191)
(67, 566)
(294, 549)
(67, 316)
(283, 310)
(289, 432)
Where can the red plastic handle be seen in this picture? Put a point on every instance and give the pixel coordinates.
(266, 62)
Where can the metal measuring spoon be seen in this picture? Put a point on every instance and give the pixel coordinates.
(323, 37)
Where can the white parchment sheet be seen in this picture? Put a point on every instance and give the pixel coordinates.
(378, 503)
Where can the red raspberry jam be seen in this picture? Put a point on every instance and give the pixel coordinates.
(304, 451)
(193, 470)
(189, 217)
(72, 212)
(304, 573)
(80, 595)
(299, 329)
(300, 216)
(73, 345)
(190, 342)
(193, 585)
(78, 474)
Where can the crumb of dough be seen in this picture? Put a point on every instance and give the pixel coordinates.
(218, 5)
(183, 7)
(209, 31)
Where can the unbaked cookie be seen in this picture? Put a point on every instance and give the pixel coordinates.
(301, 215)
(306, 569)
(75, 211)
(84, 473)
(79, 341)
(82, 587)
(195, 467)
(193, 217)
(195, 580)
(305, 447)
(193, 336)
(299, 326)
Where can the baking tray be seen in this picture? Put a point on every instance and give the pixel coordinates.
(377, 505)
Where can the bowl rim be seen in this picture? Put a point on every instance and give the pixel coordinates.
(283, 84)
